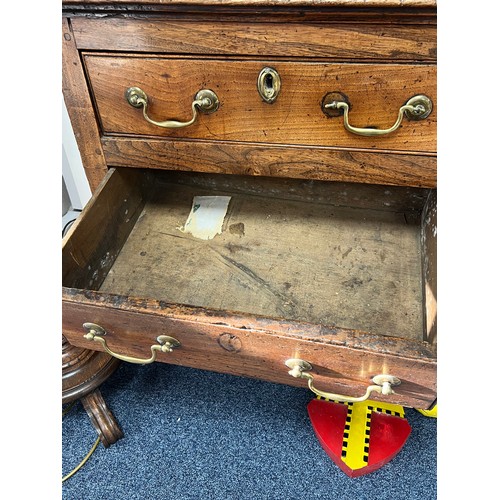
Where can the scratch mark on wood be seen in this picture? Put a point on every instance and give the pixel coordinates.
(285, 303)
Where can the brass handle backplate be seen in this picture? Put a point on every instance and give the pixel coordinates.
(418, 107)
(205, 101)
(382, 383)
(165, 344)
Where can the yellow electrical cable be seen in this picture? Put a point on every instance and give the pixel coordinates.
(82, 463)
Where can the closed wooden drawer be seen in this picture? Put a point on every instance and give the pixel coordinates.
(311, 35)
(375, 93)
(337, 274)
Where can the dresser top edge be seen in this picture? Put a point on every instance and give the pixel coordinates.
(256, 3)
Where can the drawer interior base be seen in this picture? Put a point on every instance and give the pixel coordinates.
(322, 252)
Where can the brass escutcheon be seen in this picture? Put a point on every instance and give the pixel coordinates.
(269, 84)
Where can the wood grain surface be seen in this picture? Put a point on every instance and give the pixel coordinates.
(328, 253)
(376, 93)
(257, 3)
(358, 268)
(344, 360)
(80, 110)
(268, 160)
(429, 265)
(343, 42)
(94, 240)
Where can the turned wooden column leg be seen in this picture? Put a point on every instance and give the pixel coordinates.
(83, 371)
(101, 418)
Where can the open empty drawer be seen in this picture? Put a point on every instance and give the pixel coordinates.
(244, 274)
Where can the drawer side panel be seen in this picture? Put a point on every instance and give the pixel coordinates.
(91, 245)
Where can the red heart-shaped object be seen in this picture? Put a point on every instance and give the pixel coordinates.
(359, 437)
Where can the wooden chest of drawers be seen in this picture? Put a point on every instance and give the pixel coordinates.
(323, 215)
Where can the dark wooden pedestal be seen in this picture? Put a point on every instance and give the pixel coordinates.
(83, 371)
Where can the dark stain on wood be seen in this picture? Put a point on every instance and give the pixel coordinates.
(238, 228)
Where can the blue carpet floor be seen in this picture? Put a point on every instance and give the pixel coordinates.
(192, 434)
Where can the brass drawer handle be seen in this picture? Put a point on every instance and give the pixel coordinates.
(418, 107)
(205, 101)
(165, 344)
(383, 383)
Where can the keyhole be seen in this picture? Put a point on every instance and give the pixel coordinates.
(268, 82)
(268, 85)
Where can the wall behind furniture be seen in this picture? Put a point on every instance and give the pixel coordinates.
(75, 190)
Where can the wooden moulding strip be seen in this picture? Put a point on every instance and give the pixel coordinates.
(269, 160)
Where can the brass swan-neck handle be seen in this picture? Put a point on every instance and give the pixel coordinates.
(418, 107)
(382, 383)
(205, 101)
(165, 344)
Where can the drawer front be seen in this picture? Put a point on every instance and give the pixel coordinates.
(266, 35)
(375, 93)
(247, 347)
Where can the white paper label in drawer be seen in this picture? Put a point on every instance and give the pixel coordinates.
(207, 216)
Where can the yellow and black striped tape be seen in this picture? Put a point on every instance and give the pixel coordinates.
(357, 428)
